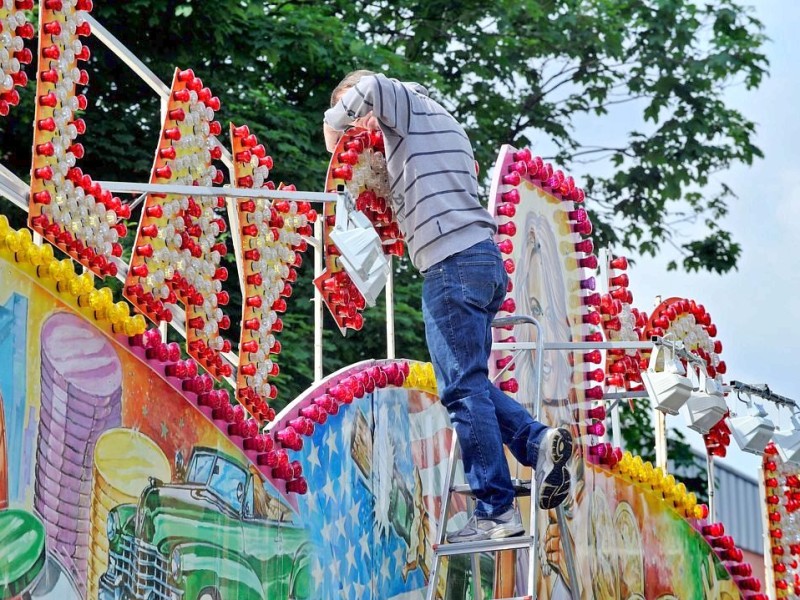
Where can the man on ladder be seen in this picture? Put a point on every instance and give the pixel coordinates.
(433, 177)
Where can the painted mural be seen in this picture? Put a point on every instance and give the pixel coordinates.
(124, 487)
(121, 486)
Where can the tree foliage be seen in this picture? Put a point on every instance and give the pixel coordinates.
(513, 72)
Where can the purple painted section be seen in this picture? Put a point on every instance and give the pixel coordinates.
(81, 386)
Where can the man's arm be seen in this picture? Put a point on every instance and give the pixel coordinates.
(331, 136)
(388, 100)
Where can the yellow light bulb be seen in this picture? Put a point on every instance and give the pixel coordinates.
(12, 241)
(56, 270)
(46, 253)
(25, 237)
(135, 325)
(119, 312)
(100, 301)
(26, 246)
(75, 287)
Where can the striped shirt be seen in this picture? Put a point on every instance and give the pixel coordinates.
(430, 163)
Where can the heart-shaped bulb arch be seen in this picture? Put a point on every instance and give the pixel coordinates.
(358, 163)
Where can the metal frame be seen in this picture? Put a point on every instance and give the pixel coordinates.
(762, 391)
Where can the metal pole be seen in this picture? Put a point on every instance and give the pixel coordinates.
(616, 431)
(661, 439)
(574, 346)
(319, 306)
(236, 238)
(390, 341)
(16, 199)
(534, 523)
(136, 65)
(605, 262)
(14, 188)
(712, 512)
(130, 187)
(569, 557)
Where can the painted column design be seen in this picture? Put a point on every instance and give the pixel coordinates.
(81, 387)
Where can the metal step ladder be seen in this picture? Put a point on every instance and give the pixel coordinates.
(443, 549)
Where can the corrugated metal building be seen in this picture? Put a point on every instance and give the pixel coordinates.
(738, 506)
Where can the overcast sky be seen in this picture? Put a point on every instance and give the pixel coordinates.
(755, 308)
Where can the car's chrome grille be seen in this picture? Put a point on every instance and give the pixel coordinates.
(143, 571)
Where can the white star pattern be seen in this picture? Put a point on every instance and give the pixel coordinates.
(399, 559)
(335, 569)
(311, 503)
(385, 573)
(341, 523)
(364, 545)
(350, 555)
(398, 409)
(346, 590)
(354, 513)
(327, 489)
(318, 573)
(313, 457)
(360, 589)
(326, 531)
(330, 442)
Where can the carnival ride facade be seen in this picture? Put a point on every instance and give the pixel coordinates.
(129, 471)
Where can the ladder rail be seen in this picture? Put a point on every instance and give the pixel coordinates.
(533, 524)
(569, 556)
(441, 549)
(441, 528)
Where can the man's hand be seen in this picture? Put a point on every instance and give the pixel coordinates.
(332, 137)
(368, 122)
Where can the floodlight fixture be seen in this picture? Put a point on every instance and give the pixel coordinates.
(788, 441)
(666, 381)
(706, 405)
(752, 431)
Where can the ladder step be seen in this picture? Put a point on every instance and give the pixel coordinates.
(511, 543)
(522, 487)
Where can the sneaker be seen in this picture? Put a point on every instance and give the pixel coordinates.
(506, 525)
(552, 476)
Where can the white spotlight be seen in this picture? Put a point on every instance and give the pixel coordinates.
(788, 441)
(666, 382)
(752, 431)
(706, 407)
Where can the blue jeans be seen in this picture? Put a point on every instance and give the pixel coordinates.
(460, 297)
